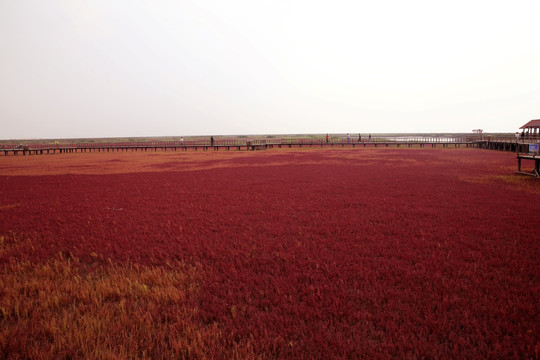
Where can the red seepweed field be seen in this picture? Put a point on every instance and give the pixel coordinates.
(311, 253)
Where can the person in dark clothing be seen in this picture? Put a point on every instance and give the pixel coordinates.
(211, 141)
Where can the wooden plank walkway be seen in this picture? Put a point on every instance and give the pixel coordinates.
(505, 145)
(536, 158)
(238, 146)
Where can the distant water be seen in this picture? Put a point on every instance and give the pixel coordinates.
(421, 138)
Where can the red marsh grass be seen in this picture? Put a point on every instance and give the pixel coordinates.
(315, 253)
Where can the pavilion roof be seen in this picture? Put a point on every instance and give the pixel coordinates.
(531, 124)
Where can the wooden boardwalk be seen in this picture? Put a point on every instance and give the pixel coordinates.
(505, 145)
(536, 158)
(44, 149)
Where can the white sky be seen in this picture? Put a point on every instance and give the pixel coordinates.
(106, 68)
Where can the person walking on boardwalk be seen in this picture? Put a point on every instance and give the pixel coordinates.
(211, 141)
(369, 137)
(359, 137)
(326, 137)
(348, 137)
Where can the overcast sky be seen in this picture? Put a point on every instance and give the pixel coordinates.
(106, 68)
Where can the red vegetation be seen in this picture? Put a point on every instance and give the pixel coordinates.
(372, 253)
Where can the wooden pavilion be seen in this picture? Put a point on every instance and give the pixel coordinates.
(478, 132)
(531, 130)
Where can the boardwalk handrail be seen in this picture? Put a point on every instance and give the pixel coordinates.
(252, 140)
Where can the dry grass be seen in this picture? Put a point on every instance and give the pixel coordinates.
(64, 309)
(512, 181)
(117, 162)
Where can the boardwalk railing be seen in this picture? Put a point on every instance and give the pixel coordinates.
(534, 139)
(238, 144)
(270, 141)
